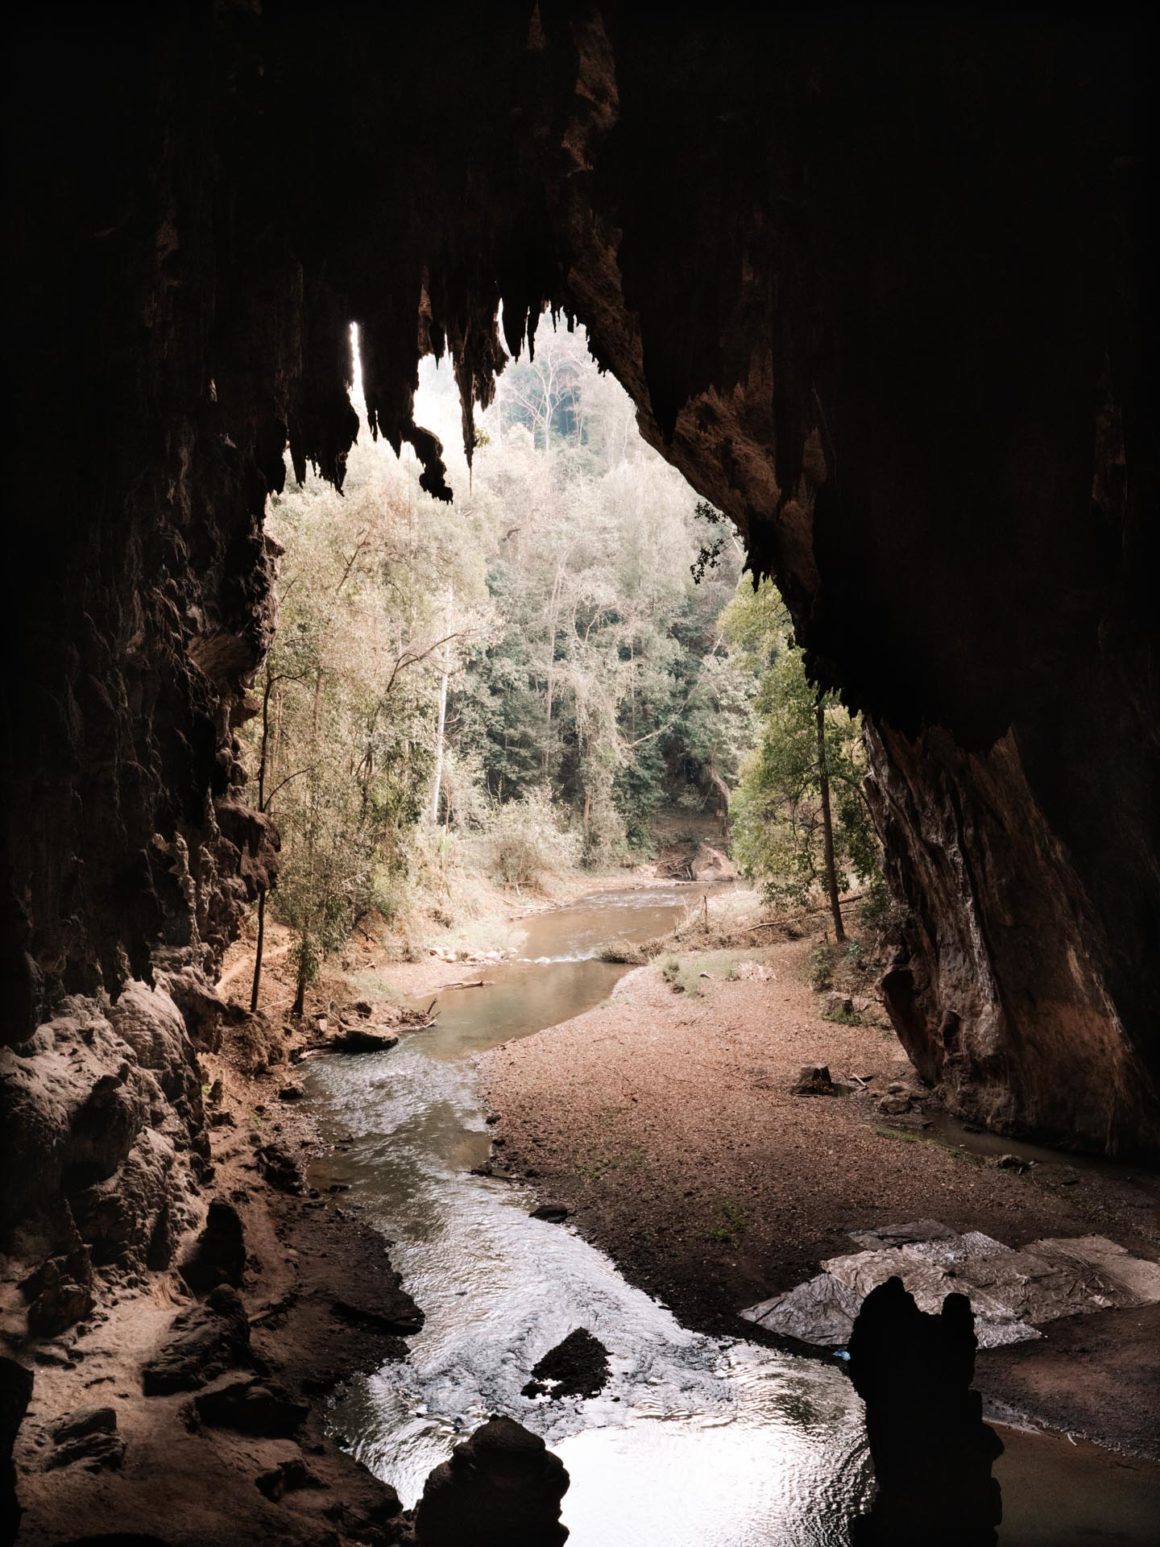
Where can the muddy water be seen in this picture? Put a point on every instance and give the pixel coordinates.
(696, 1441)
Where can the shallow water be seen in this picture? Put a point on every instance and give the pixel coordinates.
(695, 1441)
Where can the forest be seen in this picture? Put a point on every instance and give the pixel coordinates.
(566, 668)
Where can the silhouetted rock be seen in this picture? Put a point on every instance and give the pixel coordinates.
(219, 1255)
(577, 1367)
(202, 1343)
(501, 1488)
(931, 1450)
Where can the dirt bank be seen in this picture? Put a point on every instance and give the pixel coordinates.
(665, 1121)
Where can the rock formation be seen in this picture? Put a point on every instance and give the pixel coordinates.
(501, 1488)
(931, 1450)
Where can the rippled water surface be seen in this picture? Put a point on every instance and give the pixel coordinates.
(695, 1441)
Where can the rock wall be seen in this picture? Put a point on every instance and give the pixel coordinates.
(876, 286)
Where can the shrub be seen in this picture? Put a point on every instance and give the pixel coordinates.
(528, 843)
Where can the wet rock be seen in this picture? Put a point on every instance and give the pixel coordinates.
(358, 1039)
(500, 1487)
(813, 1080)
(279, 1168)
(396, 1316)
(577, 1367)
(15, 1395)
(88, 1435)
(202, 1343)
(554, 1213)
(252, 1406)
(287, 1477)
(219, 1255)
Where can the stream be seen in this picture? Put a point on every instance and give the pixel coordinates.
(695, 1441)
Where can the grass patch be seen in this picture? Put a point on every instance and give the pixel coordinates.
(735, 1222)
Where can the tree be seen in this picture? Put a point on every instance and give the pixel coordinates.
(801, 820)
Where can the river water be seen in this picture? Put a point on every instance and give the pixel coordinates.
(695, 1441)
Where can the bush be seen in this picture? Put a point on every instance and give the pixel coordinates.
(528, 843)
(821, 967)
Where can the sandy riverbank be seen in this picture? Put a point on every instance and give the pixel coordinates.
(664, 1121)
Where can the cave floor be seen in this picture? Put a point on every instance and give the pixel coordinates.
(664, 1120)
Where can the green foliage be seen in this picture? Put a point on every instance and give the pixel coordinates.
(528, 841)
(821, 966)
(534, 673)
(778, 821)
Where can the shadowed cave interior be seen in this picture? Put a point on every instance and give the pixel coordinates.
(878, 284)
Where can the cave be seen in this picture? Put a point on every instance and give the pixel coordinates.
(876, 282)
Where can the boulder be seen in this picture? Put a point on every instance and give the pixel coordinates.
(502, 1486)
(360, 1039)
(219, 1254)
(201, 1344)
(577, 1367)
(709, 864)
(554, 1213)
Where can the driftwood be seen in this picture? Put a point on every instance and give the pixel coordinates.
(476, 983)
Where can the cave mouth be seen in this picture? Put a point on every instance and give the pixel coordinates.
(879, 286)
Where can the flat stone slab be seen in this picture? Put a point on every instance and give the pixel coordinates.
(1011, 1291)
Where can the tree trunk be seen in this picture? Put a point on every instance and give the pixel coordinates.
(299, 1005)
(439, 740)
(828, 825)
(257, 983)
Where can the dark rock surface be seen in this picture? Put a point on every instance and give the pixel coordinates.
(252, 1406)
(501, 1487)
(202, 1342)
(15, 1394)
(576, 1367)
